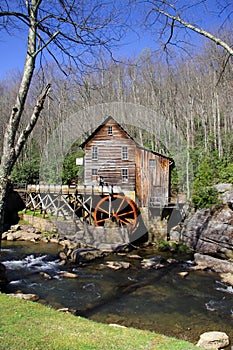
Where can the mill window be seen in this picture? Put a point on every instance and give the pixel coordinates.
(94, 154)
(94, 174)
(124, 152)
(124, 173)
(152, 162)
(110, 130)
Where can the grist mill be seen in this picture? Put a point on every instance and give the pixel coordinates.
(125, 189)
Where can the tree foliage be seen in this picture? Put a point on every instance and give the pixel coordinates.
(210, 171)
(26, 169)
(204, 194)
(72, 173)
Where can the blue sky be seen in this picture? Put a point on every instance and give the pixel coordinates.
(12, 54)
(13, 47)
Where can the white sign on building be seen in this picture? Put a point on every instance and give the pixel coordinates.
(79, 161)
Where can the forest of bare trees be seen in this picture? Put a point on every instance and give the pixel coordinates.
(192, 104)
(188, 97)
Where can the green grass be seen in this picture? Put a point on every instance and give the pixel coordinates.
(25, 325)
(36, 213)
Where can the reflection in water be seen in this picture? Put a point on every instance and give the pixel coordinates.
(153, 299)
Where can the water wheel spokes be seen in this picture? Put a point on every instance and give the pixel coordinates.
(117, 208)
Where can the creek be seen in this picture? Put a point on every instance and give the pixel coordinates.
(156, 299)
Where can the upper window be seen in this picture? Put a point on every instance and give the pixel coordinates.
(124, 152)
(110, 130)
(94, 154)
(152, 162)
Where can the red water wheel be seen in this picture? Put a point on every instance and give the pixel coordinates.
(117, 208)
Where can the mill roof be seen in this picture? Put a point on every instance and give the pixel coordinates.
(92, 135)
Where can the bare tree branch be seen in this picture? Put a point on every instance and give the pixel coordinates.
(32, 122)
(200, 31)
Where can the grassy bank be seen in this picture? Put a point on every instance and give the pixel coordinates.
(32, 326)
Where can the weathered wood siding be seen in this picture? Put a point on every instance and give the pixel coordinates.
(148, 173)
(152, 177)
(109, 162)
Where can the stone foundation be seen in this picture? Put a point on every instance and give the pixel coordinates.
(40, 223)
(149, 228)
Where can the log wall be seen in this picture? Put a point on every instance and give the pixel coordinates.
(109, 162)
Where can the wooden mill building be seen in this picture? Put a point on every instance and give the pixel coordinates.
(112, 157)
(125, 186)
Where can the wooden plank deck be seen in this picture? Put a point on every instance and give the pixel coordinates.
(73, 189)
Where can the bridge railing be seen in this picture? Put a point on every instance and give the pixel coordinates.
(70, 189)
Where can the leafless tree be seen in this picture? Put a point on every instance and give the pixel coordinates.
(171, 21)
(66, 30)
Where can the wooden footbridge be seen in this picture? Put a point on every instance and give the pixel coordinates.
(104, 213)
(95, 205)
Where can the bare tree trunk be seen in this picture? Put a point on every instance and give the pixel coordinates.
(11, 152)
(188, 160)
(220, 147)
(214, 115)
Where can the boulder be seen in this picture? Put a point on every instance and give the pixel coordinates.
(225, 192)
(117, 265)
(22, 233)
(227, 278)
(67, 310)
(31, 297)
(44, 240)
(14, 203)
(213, 340)
(113, 247)
(183, 274)
(134, 256)
(15, 227)
(116, 325)
(62, 255)
(217, 265)
(148, 263)
(82, 255)
(54, 240)
(68, 274)
(151, 263)
(3, 278)
(45, 275)
(210, 231)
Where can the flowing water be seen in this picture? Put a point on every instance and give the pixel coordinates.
(157, 299)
